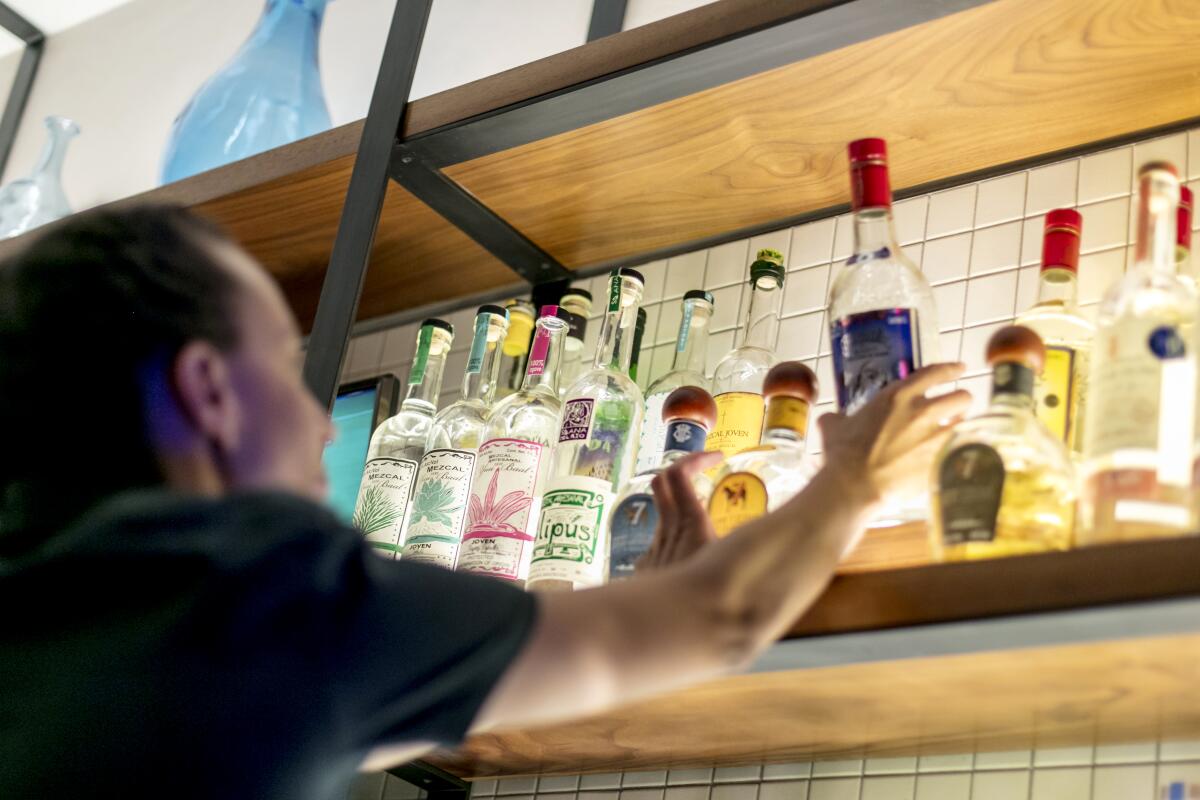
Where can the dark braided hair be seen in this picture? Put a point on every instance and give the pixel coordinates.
(85, 309)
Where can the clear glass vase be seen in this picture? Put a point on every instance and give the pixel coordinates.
(29, 202)
(268, 95)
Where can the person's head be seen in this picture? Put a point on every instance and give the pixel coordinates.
(142, 348)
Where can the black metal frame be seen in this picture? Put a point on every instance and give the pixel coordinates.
(437, 783)
(608, 17)
(18, 95)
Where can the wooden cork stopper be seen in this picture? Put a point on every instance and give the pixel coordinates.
(691, 403)
(1015, 343)
(791, 379)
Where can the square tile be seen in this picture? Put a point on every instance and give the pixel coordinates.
(909, 219)
(800, 336)
(777, 772)
(398, 344)
(834, 789)
(734, 791)
(1123, 783)
(483, 788)
(1173, 149)
(727, 264)
(1032, 230)
(687, 792)
(783, 790)
(729, 774)
(805, 289)
(558, 783)
(951, 211)
(1098, 272)
(843, 238)
(682, 776)
(1063, 756)
(1105, 175)
(639, 779)
(995, 248)
(1187, 774)
(826, 393)
(516, 786)
(366, 353)
(890, 766)
(726, 303)
(990, 298)
(948, 344)
(602, 780)
(1071, 783)
(950, 299)
(776, 240)
(949, 763)
(946, 259)
(1000, 200)
(655, 274)
(893, 787)
(641, 794)
(1003, 785)
(812, 243)
(684, 273)
(836, 769)
(606, 795)
(1139, 753)
(952, 786)
(1105, 225)
(1028, 279)
(1007, 759)
(1052, 186)
(1183, 750)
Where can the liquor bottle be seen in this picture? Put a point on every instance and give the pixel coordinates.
(758, 480)
(594, 455)
(1183, 237)
(399, 442)
(881, 313)
(1138, 437)
(1004, 484)
(639, 330)
(688, 414)
(737, 381)
(687, 369)
(1060, 391)
(513, 462)
(443, 482)
(515, 349)
(578, 303)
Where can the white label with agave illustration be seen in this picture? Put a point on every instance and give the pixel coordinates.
(382, 501)
(498, 537)
(439, 507)
(571, 542)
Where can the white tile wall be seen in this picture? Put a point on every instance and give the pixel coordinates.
(979, 245)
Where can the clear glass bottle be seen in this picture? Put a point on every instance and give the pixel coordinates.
(882, 319)
(687, 369)
(687, 414)
(1060, 389)
(443, 482)
(594, 454)
(758, 480)
(1003, 484)
(515, 350)
(399, 442)
(1139, 434)
(639, 330)
(578, 302)
(513, 462)
(26, 203)
(737, 381)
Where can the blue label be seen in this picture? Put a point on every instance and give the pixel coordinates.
(478, 344)
(685, 328)
(871, 350)
(685, 435)
(632, 527)
(1165, 342)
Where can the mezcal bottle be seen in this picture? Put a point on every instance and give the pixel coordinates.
(443, 482)
(594, 455)
(513, 461)
(578, 303)
(515, 349)
(688, 414)
(687, 369)
(399, 442)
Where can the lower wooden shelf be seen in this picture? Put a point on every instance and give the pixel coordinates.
(1090, 646)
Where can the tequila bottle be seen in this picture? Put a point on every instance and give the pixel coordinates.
(578, 303)
(594, 455)
(1138, 437)
(443, 483)
(1004, 484)
(687, 369)
(639, 330)
(1060, 390)
(515, 350)
(758, 480)
(513, 462)
(399, 442)
(737, 381)
(688, 414)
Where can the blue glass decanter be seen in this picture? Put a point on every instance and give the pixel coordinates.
(268, 95)
(29, 202)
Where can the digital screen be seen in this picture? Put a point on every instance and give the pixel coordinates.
(353, 413)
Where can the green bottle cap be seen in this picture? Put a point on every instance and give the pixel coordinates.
(768, 262)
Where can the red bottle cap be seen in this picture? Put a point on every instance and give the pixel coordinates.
(1060, 244)
(1183, 222)
(869, 185)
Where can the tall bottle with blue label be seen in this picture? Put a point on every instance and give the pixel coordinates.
(442, 486)
(688, 414)
(594, 455)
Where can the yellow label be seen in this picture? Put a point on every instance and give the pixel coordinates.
(787, 412)
(1054, 392)
(739, 422)
(736, 500)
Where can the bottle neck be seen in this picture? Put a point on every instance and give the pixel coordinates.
(483, 363)
(1012, 386)
(429, 364)
(1157, 205)
(54, 152)
(683, 436)
(762, 317)
(615, 348)
(287, 19)
(691, 346)
(874, 231)
(786, 420)
(1058, 286)
(545, 356)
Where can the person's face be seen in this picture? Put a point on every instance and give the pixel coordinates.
(282, 430)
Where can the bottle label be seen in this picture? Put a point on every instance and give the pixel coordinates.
(1054, 391)
(871, 350)
(1142, 396)
(498, 535)
(632, 530)
(605, 452)
(614, 292)
(439, 507)
(788, 412)
(537, 353)
(739, 422)
(570, 543)
(576, 420)
(683, 435)
(424, 342)
(650, 437)
(737, 499)
(478, 344)
(383, 501)
(970, 485)
(685, 328)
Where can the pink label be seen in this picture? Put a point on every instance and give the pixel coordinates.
(498, 533)
(537, 353)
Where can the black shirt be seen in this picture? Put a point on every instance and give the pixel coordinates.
(250, 647)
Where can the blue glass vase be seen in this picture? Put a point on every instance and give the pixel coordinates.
(268, 95)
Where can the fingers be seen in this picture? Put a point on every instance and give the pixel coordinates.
(678, 478)
(924, 379)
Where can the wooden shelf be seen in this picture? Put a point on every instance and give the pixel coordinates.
(1097, 645)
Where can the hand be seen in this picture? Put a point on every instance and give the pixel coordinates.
(683, 523)
(886, 449)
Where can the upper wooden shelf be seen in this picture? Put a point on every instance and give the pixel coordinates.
(1096, 645)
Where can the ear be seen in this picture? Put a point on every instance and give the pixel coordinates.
(201, 378)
